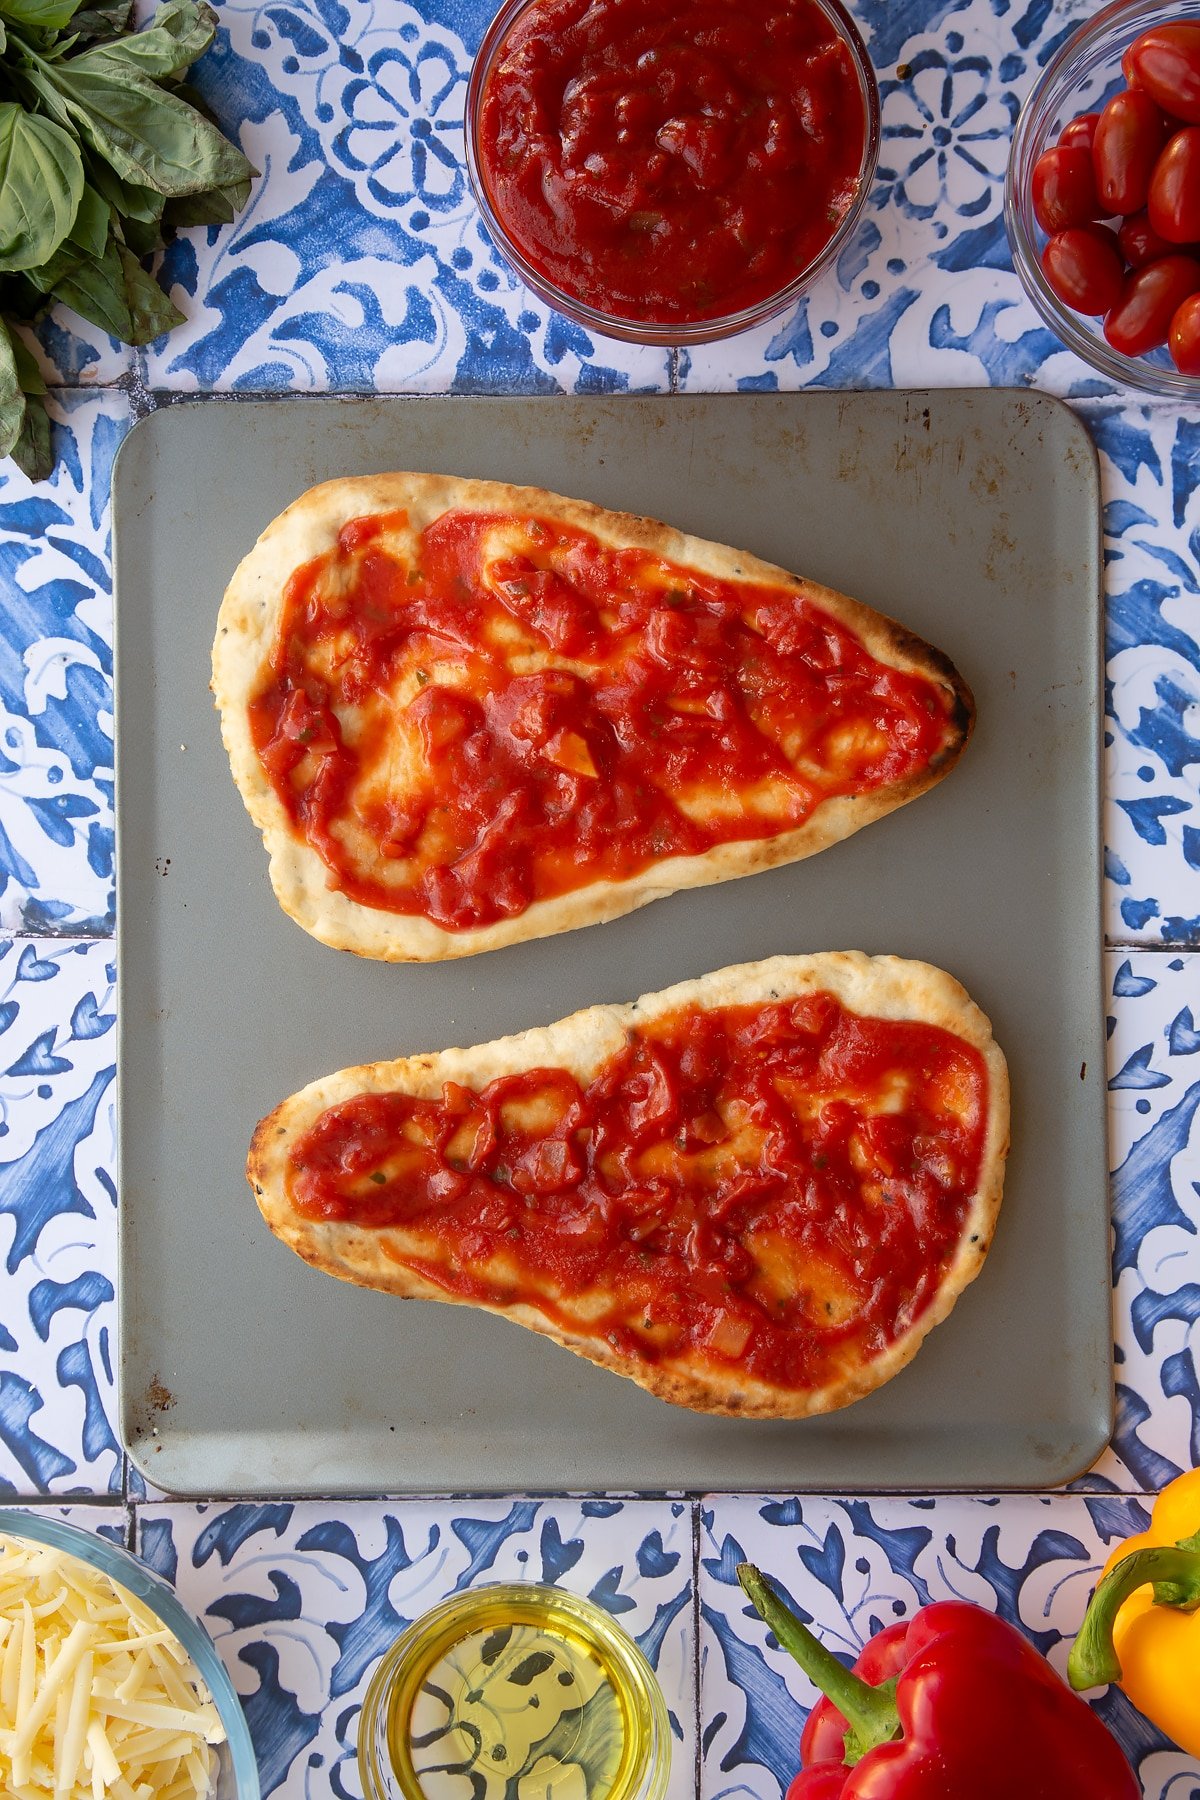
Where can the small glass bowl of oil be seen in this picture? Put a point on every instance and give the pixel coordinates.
(514, 1692)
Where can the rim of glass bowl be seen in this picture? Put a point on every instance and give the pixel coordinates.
(432, 1634)
(1102, 40)
(125, 1568)
(698, 331)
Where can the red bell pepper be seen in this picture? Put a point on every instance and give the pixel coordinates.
(954, 1704)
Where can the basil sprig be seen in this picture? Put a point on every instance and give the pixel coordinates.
(104, 150)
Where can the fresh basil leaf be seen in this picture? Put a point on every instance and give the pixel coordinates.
(3, 38)
(179, 32)
(90, 230)
(124, 197)
(216, 206)
(151, 311)
(28, 373)
(41, 183)
(84, 242)
(33, 451)
(100, 23)
(65, 261)
(12, 398)
(143, 239)
(149, 135)
(42, 15)
(96, 291)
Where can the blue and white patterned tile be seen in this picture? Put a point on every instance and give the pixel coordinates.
(57, 1220)
(1150, 468)
(111, 1522)
(1154, 1147)
(852, 1567)
(56, 725)
(925, 294)
(72, 353)
(303, 1599)
(360, 262)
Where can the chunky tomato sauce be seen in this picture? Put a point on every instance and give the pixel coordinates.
(671, 160)
(500, 710)
(776, 1186)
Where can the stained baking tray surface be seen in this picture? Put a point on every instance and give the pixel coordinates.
(970, 516)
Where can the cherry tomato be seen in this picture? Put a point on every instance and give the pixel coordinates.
(1149, 301)
(1064, 188)
(1140, 243)
(1080, 132)
(1183, 338)
(1165, 62)
(1174, 199)
(1129, 135)
(1085, 267)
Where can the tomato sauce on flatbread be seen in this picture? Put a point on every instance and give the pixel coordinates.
(778, 1188)
(500, 709)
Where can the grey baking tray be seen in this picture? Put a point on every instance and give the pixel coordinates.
(970, 516)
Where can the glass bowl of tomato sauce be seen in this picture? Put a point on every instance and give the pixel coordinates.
(671, 171)
(1078, 84)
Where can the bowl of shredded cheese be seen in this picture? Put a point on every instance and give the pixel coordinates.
(109, 1688)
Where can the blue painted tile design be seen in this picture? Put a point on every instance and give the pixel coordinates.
(56, 731)
(851, 1567)
(1150, 464)
(57, 1219)
(1154, 1150)
(360, 262)
(302, 1600)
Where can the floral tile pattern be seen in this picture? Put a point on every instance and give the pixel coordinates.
(303, 1599)
(360, 262)
(71, 353)
(1154, 1103)
(1150, 468)
(56, 726)
(57, 1219)
(852, 1567)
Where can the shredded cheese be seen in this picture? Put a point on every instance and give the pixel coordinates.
(98, 1700)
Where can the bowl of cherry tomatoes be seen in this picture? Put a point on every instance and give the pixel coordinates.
(1102, 197)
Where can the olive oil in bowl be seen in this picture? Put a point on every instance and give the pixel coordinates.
(514, 1692)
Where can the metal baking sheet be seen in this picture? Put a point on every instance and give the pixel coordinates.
(973, 517)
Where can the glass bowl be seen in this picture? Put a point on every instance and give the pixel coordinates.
(650, 331)
(1080, 78)
(237, 1769)
(514, 1688)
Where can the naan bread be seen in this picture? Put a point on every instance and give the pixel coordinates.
(832, 1271)
(401, 863)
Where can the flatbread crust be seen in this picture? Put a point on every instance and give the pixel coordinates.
(246, 630)
(885, 987)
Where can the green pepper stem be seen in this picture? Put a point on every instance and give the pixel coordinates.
(1174, 1570)
(870, 1711)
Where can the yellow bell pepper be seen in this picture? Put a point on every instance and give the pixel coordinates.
(1142, 1626)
